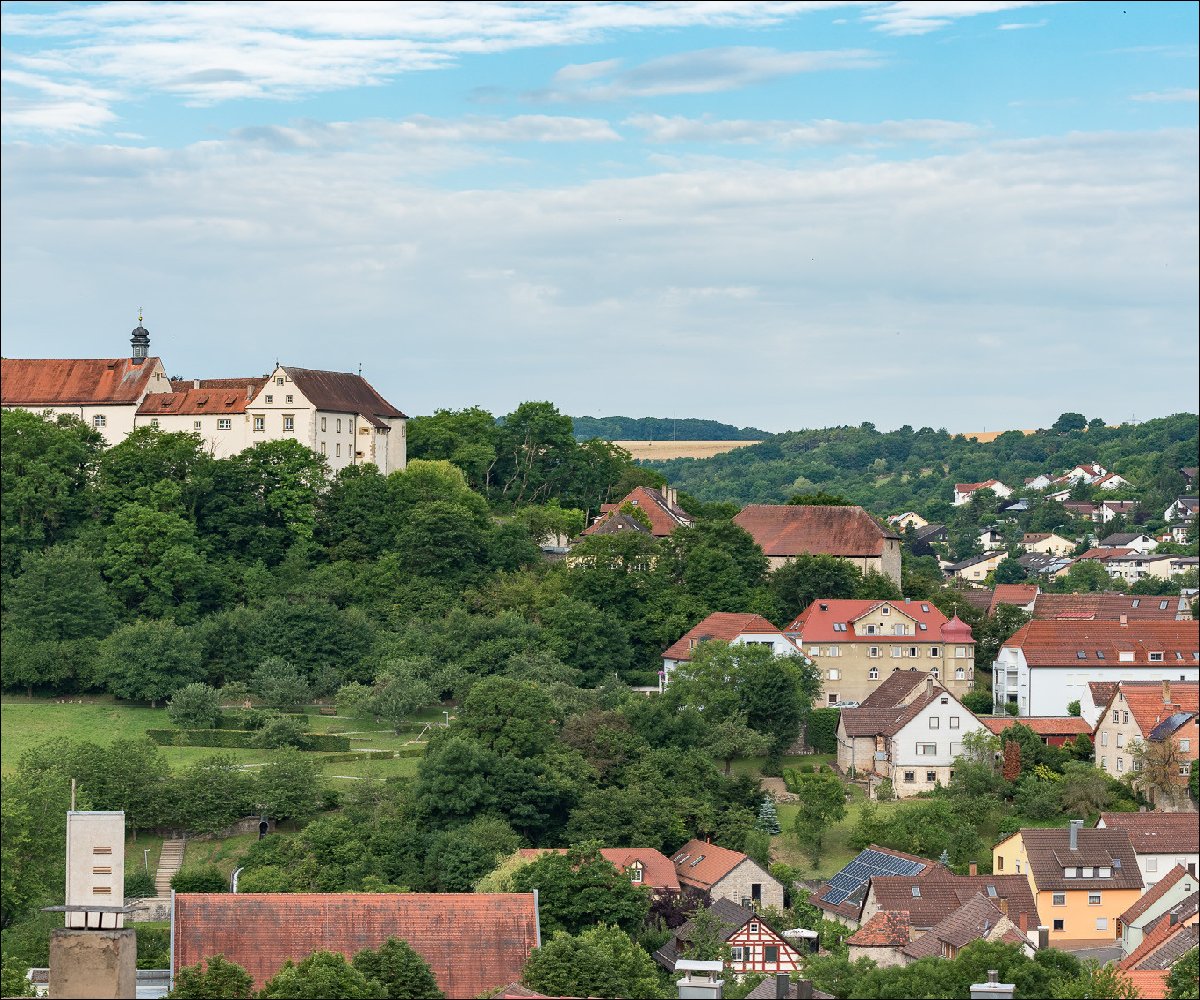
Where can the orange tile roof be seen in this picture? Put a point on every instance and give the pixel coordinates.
(972, 487)
(1057, 643)
(1106, 607)
(703, 865)
(1099, 555)
(194, 402)
(67, 381)
(1157, 832)
(1018, 594)
(664, 517)
(886, 929)
(793, 530)
(473, 942)
(1151, 984)
(1151, 702)
(1156, 937)
(1155, 892)
(657, 870)
(1043, 725)
(816, 622)
(723, 625)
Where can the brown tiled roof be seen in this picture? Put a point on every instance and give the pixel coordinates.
(972, 487)
(793, 530)
(975, 920)
(473, 942)
(887, 721)
(194, 402)
(730, 918)
(614, 524)
(1100, 555)
(723, 625)
(664, 517)
(1167, 940)
(1105, 607)
(1156, 892)
(657, 870)
(816, 622)
(342, 392)
(766, 991)
(1150, 984)
(248, 385)
(66, 381)
(1019, 594)
(897, 688)
(1057, 643)
(1043, 725)
(977, 597)
(886, 929)
(714, 864)
(943, 892)
(1157, 832)
(1049, 853)
(1102, 692)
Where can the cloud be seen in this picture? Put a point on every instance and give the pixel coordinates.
(1178, 94)
(823, 132)
(920, 17)
(1021, 25)
(34, 102)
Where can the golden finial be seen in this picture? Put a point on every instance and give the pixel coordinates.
(139, 315)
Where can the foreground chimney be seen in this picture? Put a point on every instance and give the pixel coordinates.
(1073, 833)
(1023, 922)
(973, 868)
(1043, 933)
(700, 980)
(993, 990)
(1124, 619)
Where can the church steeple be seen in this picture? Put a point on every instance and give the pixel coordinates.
(140, 341)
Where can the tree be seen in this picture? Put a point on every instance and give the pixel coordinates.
(404, 974)
(399, 694)
(1157, 765)
(808, 578)
(1183, 977)
(279, 684)
(200, 878)
(1009, 571)
(212, 794)
(732, 737)
(222, 979)
(581, 888)
(324, 974)
(599, 962)
(1068, 422)
(1085, 577)
(509, 716)
(1074, 708)
(822, 802)
(1012, 761)
(289, 786)
(768, 817)
(59, 595)
(148, 660)
(196, 706)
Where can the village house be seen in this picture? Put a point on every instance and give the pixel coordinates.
(754, 946)
(906, 520)
(1165, 940)
(104, 393)
(1129, 540)
(1182, 509)
(726, 874)
(1133, 566)
(1038, 482)
(1178, 532)
(1088, 474)
(858, 644)
(1018, 595)
(1110, 510)
(1035, 564)
(964, 491)
(644, 865)
(882, 939)
(660, 507)
(1082, 880)
(1046, 543)
(1046, 665)
(991, 539)
(1110, 607)
(978, 919)
(842, 897)
(216, 412)
(1112, 481)
(1144, 713)
(976, 568)
(1054, 730)
(1082, 508)
(1160, 840)
(908, 731)
(1174, 887)
(724, 626)
(786, 531)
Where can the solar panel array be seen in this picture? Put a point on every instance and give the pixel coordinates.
(862, 869)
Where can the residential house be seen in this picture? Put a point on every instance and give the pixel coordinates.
(991, 539)
(909, 732)
(1083, 508)
(964, 491)
(1019, 595)
(754, 946)
(908, 519)
(1142, 714)
(473, 942)
(726, 874)
(1173, 888)
(218, 414)
(1088, 474)
(929, 899)
(858, 644)
(1047, 543)
(724, 626)
(1189, 476)
(1009, 508)
(932, 533)
(1059, 496)
(1036, 564)
(1128, 540)
(104, 393)
(842, 897)
(1038, 482)
(1166, 939)
(1094, 699)
(644, 865)
(1046, 665)
(976, 568)
(1112, 607)
(978, 919)
(1160, 840)
(786, 531)
(1082, 880)
(1111, 509)
(1182, 509)
(1054, 730)
(1134, 566)
(660, 506)
(881, 939)
(1178, 532)
(1111, 481)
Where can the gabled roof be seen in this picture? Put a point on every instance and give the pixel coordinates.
(1049, 853)
(1157, 832)
(1059, 643)
(703, 865)
(723, 625)
(885, 929)
(1121, 538)
(194, 402)
(343, 392)
(972, 487)
(844, 893)
(1156, 892)
(1106, 607)
(978, 919)
(31, 382)
(657, 870)
(1151, 703)
(898, 688)
(1018, 594)
(730, 918)
(1168, 939)
(797, 529)
(615, 524)
(663, 515)
(932, 898)
(1043, 725)
(837, 621)
(1150, 984)
(473, 942)
(880, 720)
(999, 554)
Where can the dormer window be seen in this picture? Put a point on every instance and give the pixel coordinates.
(279, 380)
(1156, 657)
(885, 610)
(636, 872)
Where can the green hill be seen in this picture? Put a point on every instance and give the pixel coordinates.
(662, 429)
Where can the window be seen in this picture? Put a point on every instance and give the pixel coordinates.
(1058, 925)
(154, 421)
(1060, 899)
(926, 749)
(1125, 656)
(944, 701)
(913, 651)
(897, 651)
(1156, 657)
(224, 424)
(916, 891)
(885, 610)
(1104, 872)
(1102, 923)
(270, 399)
(1151, 863)
(322, 423)
(873, 651)
(833, 698)
(699, 858)
(339, 430)
(960, 652)
(1088, 872)
(99, 420)
(322, 447)
(1120, 763)
(279, 380)
(999, 862)
(873, 674)
(898, 629)
(1104, 737)
(935, 650)
(831, 651)
(931, 776)
(289, 422)
(934, 722)
(835, 674)
(1125, 718)
(195, 425)
(1070, 872)
(260, 423)
(910, 775)
(735, 954)
(1099, 654)
(960, 673)
(954, 722)
(1080, 654)
(922, 626)
(339, 450)
(771, 953)
(753, 927)
(635, 872)
(287, 399)
(1120, 739)
(1103, 763)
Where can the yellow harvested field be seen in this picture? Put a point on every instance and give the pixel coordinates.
(680, 449)
(986, 436)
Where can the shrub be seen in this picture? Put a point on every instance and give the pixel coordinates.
(978, 702)
(196, 706)
(203, 878)
(139, 884)
(822, 729)
(237, 739)
(282, 731)
(153, 946)
(885, 791)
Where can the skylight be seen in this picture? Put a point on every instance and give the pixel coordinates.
(1081, 654)
(916, 891)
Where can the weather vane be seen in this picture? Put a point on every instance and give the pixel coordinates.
(139, 315)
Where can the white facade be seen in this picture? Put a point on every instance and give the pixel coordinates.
(95, 867)
(1134, 567)
(780, 645)
(964, 496)
(922, 753)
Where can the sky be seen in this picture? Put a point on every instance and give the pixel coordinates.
(970, 215)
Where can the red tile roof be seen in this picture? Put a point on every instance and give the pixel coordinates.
(1057, 643)
(723, 625)
(1156, 892)
(816, 622)
(1159, 937)
(880, 720)
(1157, 832)
(1101, 554)
(1043, 725)
(1152, 702)
(342, 392)
(1019, 594)
(657, 870)
(703, 865)
(664, 517)
(1151, 984)
(58, 381)
(972, 487)
(943, 892)
(1105, 607)
(249, 385)
(473, 942)
(975, 920)
(194, 402)
(793, 530)
(886, 929)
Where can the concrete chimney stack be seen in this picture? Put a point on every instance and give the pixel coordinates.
(701, 980)
(992, 989)
(1073, 832)
(973, 868)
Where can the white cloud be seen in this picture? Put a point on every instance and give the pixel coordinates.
(1178, 94)
(824, 132)
(1021, 25)
(919, 17)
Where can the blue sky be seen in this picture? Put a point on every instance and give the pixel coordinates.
(961, 214)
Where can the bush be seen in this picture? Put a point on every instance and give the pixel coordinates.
(153, 946)
(202, 878)
(237, 739)
(822, 729)
(282, 731)
(196, 706)
(978, 702)
(885, 791)
(139, 884)
(243, 718)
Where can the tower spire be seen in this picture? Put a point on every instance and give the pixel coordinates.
(140, 340)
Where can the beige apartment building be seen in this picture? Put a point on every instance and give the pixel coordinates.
(860, 644)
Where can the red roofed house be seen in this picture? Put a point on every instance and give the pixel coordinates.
(1176, 886)
(661, 508)
(1019, 595)
(786, 531)
(724, 626)
(1160, 840)
(1046, 543)
(964, 491)
(644, 865)
(473, 942)
(1112, 607)
(1167, 938)
(104, 393)
(1148, 713)
(726, 874)
(881, 938)
(859, 644)
(980, 918)
(217, 414)
(1046, 665)
(1054, 730)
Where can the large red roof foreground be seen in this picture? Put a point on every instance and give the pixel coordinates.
(723, 625)
(65, 381)
(817, 622)
(702, 865)
(473, 942)
(1059, 643)
(793, 530)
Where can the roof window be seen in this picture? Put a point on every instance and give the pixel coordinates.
(699, 858)
(925, 608)
(923, 627)
(916, 891)
(1081, 654)
(681, 858)
(1136, 602)
(1162, 605)
(1099, 654)
(991, 891)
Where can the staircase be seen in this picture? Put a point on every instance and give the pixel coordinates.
(169, 862)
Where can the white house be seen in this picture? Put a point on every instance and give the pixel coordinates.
(1111, 481)
(1160, 840)
(1109, 510)
(1183, 509)
(1085, 473)
(212, 408)
(735, 629)
(1135, 540)
(1038, 482)
(964, 491)
(1175, 886)
(1047, 664)
(990, 539)
(1133, 566)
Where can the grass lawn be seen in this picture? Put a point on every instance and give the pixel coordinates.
(838, 851)
(225, 854)
(754, 765)
(135, 852)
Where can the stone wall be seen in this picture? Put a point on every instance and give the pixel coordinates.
(737, 885)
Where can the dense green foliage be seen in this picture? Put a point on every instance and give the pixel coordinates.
(662, 429)
(599, 962)
(220, 980)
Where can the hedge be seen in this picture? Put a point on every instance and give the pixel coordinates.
(822, 729)
(413, 750)
(240, 739)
